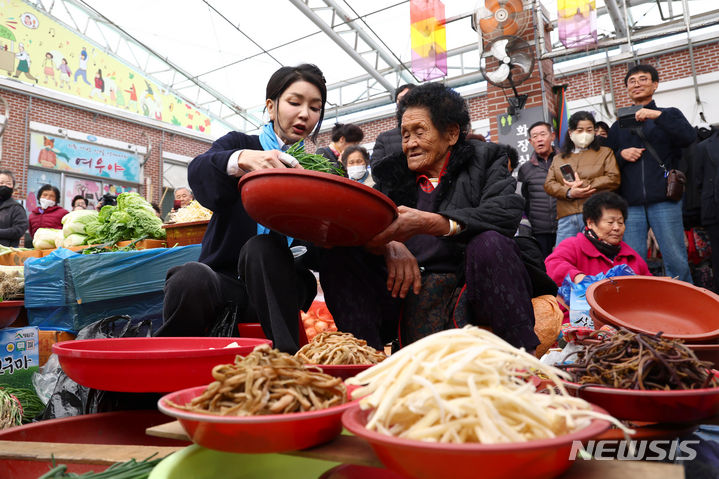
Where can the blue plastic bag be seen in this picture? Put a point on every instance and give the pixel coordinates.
(575, 294)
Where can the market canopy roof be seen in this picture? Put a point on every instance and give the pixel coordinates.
(218, 54)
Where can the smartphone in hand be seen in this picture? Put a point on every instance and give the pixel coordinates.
(567, 172)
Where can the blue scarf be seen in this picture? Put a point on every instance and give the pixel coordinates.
(269, 141)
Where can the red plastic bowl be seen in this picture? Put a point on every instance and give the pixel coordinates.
(651, 304)
(651, 406)
(148, 364)
(542, 458)
(254, 434)
(324, 209)
(9, 311)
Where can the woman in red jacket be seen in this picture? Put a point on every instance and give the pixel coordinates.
(599, 247)
(47, 214)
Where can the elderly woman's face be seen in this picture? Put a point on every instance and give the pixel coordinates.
(610, 227)
(423, 144)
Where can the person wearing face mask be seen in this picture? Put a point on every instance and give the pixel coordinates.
(594, 169)
(13, 220)
(355, 160)
(242, 263)
(47, 214)
(343, 136)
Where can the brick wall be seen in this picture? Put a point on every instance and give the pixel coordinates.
(25, 109)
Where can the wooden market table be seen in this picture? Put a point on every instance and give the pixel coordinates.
(343, 449)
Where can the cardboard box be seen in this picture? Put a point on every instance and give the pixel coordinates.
(19, 356)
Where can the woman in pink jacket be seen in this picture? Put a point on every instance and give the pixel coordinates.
(599, 247)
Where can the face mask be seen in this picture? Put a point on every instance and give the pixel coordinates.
(5, 192)
(45, 203)
(582, 140)
(356, 172)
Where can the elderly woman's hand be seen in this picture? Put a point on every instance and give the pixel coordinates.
(251, 160)
(402, 270)
(411, 222)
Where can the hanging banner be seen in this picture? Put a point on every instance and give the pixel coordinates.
(70, 156)
(429, 39)
(577, 22)
(562, 116)
(37, 50)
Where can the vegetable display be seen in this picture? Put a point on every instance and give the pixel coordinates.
(45, 238)
(467, 385)
(192, 212)
(631, 360)
(131, 469)
(132, 218)
(75, 227)
(334, 347)
(313, 162)
(267, 381)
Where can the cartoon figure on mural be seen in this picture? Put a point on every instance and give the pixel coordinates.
(82, 66)
(23, 65)
(48, 68)
(116, 95)
(148, 100)
(132, 105)
(47, 156)
(99, 89)
(65, 73)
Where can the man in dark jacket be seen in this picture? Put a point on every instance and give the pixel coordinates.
(707, 170)
(643, 179)
(540, 208)
(389, 143)
(13, 220)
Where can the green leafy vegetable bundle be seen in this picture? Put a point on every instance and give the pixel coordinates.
(313, 162)
(132, 218)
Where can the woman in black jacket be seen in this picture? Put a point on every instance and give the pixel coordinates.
(13, 219)
(239, 263)
(457, 214)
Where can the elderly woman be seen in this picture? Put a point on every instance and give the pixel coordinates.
(599, 247)
(457, 214)
(355, 160)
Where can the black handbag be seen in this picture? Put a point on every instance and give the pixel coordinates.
(675, 179)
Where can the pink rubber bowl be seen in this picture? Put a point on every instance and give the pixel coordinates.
(542, 458)
(148, 364)
(255, 434)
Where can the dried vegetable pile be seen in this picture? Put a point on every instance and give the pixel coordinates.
(267, 381)
(631, 360)
(468, 386)
(334, 347)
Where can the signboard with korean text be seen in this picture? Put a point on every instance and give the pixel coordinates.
(514, 130)
(19, 356)
(71, 156)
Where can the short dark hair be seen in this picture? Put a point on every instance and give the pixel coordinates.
(642, 69)
(602, 124)
(351, 149)
(286, 76)
(539, 123)
(10, 174)
(352, 133)
(401, 88)
(513, 156)
(45, 188)
(606, 200)
(446, 107)
(568, 145)
(156, 207)
(77, 197)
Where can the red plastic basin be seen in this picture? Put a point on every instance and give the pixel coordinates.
(652, 406)
(148, 364)
(651, 304)
(255, 434)
(120, 428)
(9, 311)
(542, 458)
(324, 209)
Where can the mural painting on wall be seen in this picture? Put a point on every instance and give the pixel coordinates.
(36, 49)
(70, 156)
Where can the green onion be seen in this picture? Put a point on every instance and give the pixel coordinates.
(313, 162)
(131, 469)
(30, 404)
